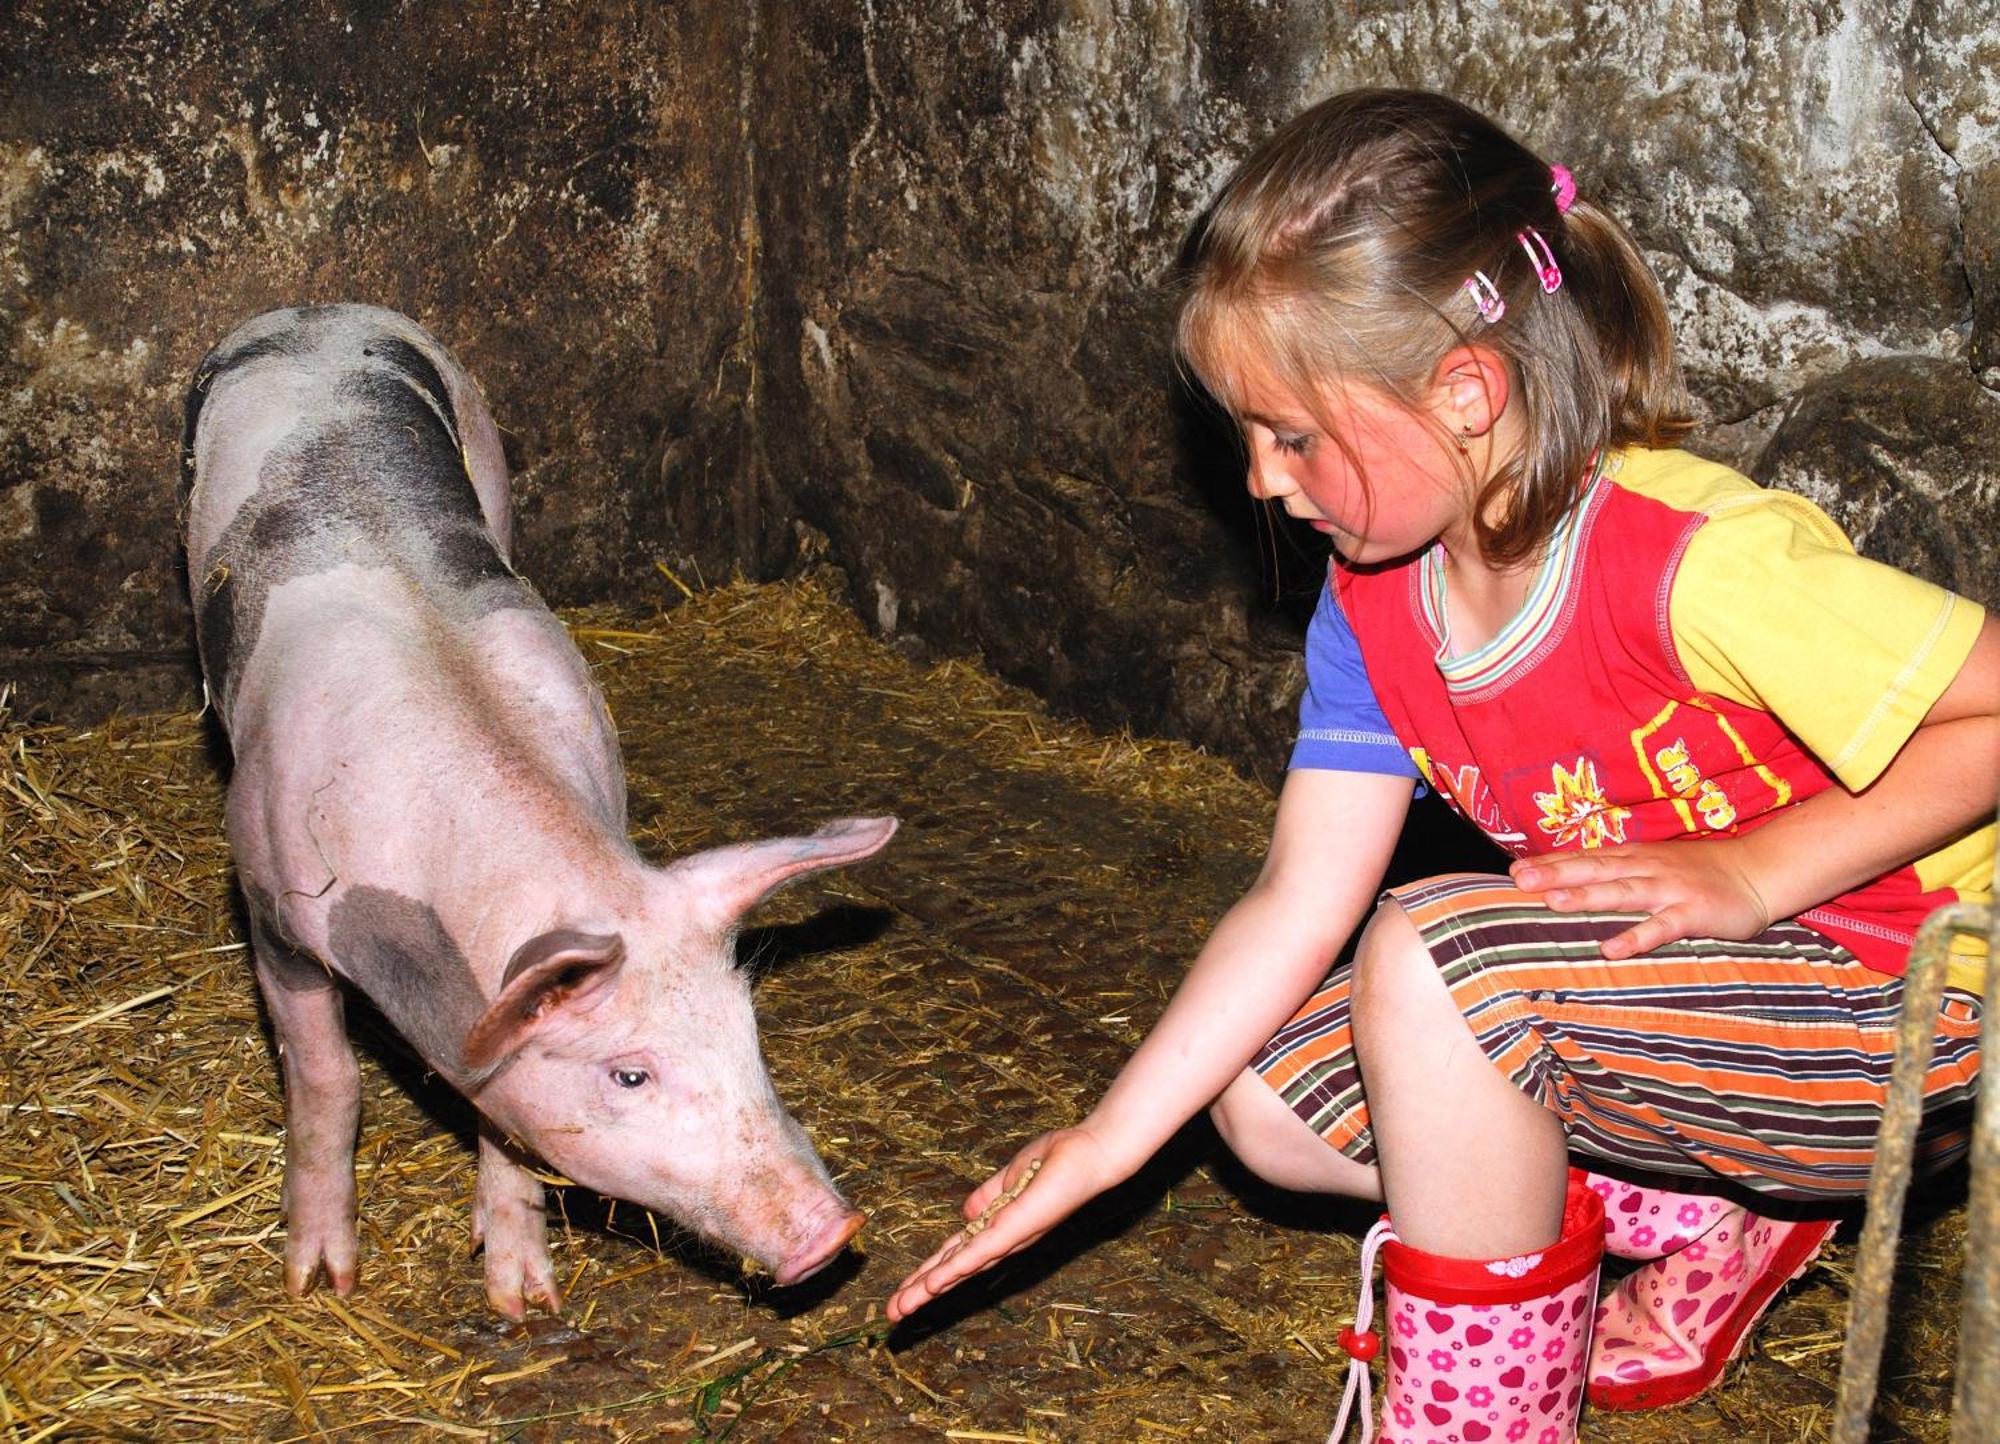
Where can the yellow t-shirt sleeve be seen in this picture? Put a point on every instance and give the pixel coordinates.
(1772, 608)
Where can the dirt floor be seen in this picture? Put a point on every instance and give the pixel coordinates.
(922, 1015)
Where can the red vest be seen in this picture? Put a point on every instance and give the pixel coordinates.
(1590, 733)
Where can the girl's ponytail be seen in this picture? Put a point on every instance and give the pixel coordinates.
(1622, 304)
(1595, 363)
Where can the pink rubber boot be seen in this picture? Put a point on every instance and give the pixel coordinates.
(1667, 1331)
(1480, 1349)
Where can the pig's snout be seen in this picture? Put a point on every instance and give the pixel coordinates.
(827, 1240)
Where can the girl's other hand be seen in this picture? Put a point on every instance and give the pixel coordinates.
(1073, 1169)
(1686, 889)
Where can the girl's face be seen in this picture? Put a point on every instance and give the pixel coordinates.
(1388, 485)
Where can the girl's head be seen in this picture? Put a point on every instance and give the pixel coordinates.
(1333, 268)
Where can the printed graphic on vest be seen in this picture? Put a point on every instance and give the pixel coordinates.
(1465, 789)
(1577, 811)
(1695, 760)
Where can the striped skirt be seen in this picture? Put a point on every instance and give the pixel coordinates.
(1764, 1061)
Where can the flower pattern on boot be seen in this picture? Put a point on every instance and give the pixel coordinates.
(1650, 1223)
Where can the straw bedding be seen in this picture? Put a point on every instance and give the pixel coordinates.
(922, 1015)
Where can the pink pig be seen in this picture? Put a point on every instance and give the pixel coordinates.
(427, 801)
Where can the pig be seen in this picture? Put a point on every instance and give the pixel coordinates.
(427, 802)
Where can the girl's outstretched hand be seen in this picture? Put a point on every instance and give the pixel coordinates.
(1043, 1184)
(1687, 889)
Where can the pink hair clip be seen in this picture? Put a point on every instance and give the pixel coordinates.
(1564, 186)
(1544, 263)
(1486, 296)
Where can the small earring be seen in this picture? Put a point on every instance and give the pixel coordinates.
(1464, 436)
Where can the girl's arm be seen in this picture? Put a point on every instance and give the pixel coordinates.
(1329, 850)
(1944, 781)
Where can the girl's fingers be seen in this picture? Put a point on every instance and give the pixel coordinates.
(976, 1203)
(970, 1257)
(1008, 1181)
(958, 1259)
(981, 1198)
(939, 1255)
(1636, 940)
(921, 1286)
(1624, 894)
(1668, 925)
(999, 1222)
(1564, 869)
(1676, 891)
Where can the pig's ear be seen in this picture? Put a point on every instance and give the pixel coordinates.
(546, 973)
(729, 881)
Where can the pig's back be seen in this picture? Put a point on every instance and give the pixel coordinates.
(403, 710)
(331, 437)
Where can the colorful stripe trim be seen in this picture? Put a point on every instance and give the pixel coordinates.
(1525, 632)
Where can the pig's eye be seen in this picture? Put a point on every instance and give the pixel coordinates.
(630, 1077)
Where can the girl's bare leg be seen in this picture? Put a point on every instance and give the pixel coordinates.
(1280, 1147)
(1472, 1167)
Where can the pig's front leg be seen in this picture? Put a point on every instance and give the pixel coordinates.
(322, 1112)
(509, 1218)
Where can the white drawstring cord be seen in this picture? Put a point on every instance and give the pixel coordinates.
(1360, 1344)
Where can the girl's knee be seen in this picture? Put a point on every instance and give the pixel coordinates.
(1388, 957)
(1234, 1113)
(1253, 1120)
(1280, 1147)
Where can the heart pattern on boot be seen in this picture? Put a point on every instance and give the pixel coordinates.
(1649, 1223)
(1509, 1373)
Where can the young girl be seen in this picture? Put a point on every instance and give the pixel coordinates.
(1735, 764)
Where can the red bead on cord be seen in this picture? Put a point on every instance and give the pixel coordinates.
(1364, 1345)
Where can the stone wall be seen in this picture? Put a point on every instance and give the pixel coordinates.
(966, 242)
(558, 192)
(878, 286)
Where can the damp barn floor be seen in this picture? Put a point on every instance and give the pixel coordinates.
(922, 1015)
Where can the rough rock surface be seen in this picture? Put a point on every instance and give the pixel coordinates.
(1905, 455)
(881, 286)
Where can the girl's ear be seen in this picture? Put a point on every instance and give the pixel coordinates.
(1471, 389)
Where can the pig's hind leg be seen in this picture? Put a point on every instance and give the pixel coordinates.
(322, 1113)
(510, 1219)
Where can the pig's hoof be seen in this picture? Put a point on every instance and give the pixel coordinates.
(513, 1283)
(308, 1253)
(320, 1235)
(508, 1221)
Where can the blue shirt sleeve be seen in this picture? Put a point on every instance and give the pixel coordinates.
(1341, 726)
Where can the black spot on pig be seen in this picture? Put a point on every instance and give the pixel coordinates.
(371, 407)
(396, 950)
(418, 370)
(299, 334)
(285, 965)
(372, 474)
(289, 343)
